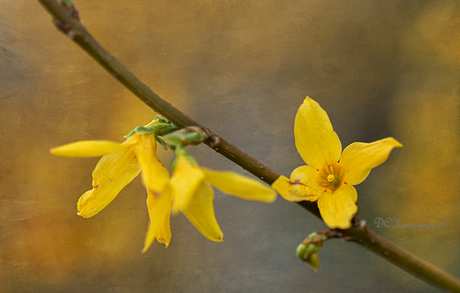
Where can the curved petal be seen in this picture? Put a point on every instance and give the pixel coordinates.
(306, 175)
(200, 212)
(236, 184)
(302, 186)
(154, 174)
(112, 173)
(288, 190)
(358, 159)
(315, 140)
(185, 181)
(87, 148)
(159, 206)
(337, 209)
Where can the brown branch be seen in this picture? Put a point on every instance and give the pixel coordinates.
(361, 234)
(77, 33)
(66, 19)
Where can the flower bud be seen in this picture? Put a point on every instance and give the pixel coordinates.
(307, 250)
(186, 136)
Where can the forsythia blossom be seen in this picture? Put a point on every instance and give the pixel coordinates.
(330, 174)
(188, 190)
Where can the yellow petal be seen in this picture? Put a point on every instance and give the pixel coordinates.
(154, 174)
(239, 185)
(87, 148)
(307, 176)
(159, 206)
(153, 122)
(313, 261)
(185, 181)
(200, 212)
(338, 208)
(358, 159)
(112, 173)
(316, 141)
(302, 186)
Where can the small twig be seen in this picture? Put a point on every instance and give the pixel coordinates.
(71, 26)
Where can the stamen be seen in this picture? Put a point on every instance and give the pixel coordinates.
(331, 177)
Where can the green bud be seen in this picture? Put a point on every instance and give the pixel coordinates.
(301, 250)
(186, 136)
(308, 249)
(160, 128)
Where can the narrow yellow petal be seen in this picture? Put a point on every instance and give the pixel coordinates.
(239, 185)
(112, 173)
(154, 174)
(200, 212)
(159, 206)
(338, 208)
(185, 181)
(301, 186)
(316, 141)
(87, 148)
(358, 159)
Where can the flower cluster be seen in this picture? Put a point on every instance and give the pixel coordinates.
(328, 176)
(188, 190)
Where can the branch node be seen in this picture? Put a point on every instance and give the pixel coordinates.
(213, 138)
(64, 26)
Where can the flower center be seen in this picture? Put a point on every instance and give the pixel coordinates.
(331, 177)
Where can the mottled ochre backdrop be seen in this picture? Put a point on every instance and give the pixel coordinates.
(242, 68)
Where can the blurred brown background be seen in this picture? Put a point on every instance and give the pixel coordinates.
(379, 68)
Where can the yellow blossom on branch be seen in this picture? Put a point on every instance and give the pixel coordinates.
(120, 164)
(189, 190)
(330, 174)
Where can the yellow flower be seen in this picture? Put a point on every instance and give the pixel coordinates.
(188, 191)
(193, 194)
(329, 174)
(120, 164)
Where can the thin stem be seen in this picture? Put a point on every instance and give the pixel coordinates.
(419, 268)
(66, 19)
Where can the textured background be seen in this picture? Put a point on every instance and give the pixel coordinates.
(379, 68)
